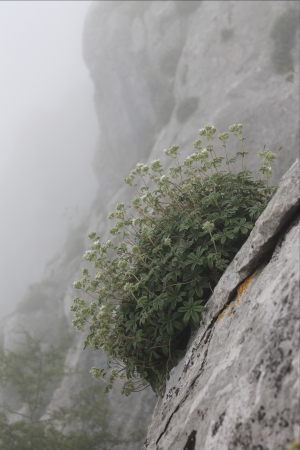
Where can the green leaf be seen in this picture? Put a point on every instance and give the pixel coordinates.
(199, 291)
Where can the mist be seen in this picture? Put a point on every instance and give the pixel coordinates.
(48, 133)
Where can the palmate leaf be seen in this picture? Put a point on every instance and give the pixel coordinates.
(199, 291)
(175, 274)
(196, 258)
(182, 246)
(255, 210)
(221, 264)
(190, 309)
(173, 295)
(159, 302)
(167, 321)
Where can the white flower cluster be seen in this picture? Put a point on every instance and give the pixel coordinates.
(197, 144)
(164, 180)
(167, 241)
(77, 285)
(140, 169)
(129, 287)
(223, 137)
(90, 255)
(208, 227)
(135, 250)
(156, 166)
(174, 172)
(267, 157)
(173, 151)
(237, 129)
(208, 132)
(122, 264)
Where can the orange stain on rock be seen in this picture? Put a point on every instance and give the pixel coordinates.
(229, 308)
(242, 288)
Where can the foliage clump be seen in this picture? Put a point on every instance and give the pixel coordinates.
(169, 250)
(283, 33)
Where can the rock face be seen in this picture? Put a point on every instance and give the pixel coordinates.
(238, 385)
(161, 70)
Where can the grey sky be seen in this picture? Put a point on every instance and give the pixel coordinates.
(48, 131)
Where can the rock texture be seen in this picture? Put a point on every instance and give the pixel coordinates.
(147, 58)
(161, 70)
(238, 385)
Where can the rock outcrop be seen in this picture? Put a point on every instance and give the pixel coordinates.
(238, 385)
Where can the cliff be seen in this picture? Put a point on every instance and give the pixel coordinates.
(161, 70)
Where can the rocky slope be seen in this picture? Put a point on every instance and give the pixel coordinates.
(161, 70)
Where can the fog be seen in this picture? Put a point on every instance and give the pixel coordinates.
(48, 131)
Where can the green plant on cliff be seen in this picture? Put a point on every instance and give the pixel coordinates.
(168, 251)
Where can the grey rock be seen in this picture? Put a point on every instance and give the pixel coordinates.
(146, 61)
(238, 385)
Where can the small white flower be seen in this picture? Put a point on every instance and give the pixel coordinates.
(77, 285)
